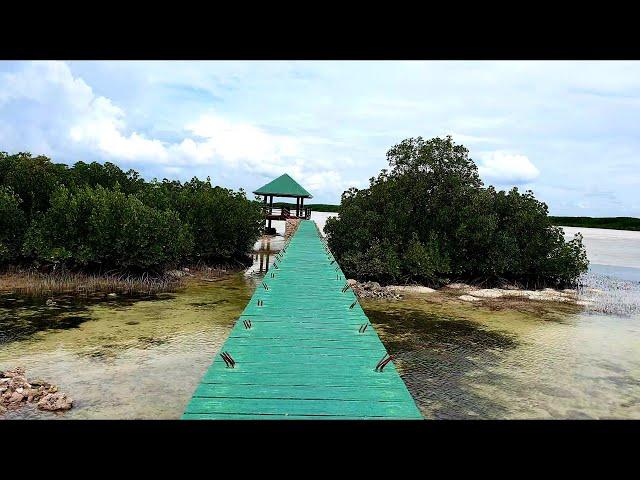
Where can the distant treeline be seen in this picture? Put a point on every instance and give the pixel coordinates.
(95, 216)
(614, 223)
(315, 207)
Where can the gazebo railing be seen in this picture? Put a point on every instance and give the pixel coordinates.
(285, 212)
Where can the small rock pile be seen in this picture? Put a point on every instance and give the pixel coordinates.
(15, 390)
(372, 290)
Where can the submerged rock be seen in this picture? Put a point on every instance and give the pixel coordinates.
(39, 382)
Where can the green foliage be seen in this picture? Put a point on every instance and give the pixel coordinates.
(108, 176)
(94, 215)
(224, 223)
(429, 219)
(615, 223)
(33, 179)
(12, 225)
(90, 227)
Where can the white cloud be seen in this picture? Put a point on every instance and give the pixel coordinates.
(40, 81)
(68, 112)
(80, 120)
(326, 123)
(471, 139)
(101, 126)
(507, 168)
(96, 123)
(234, 142)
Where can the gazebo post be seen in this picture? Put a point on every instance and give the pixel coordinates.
(265, 211)
(301, 205)
(297, 206)
(270, 209)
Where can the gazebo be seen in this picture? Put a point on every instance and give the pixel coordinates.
(284, 186)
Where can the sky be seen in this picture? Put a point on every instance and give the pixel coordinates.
(569, 131)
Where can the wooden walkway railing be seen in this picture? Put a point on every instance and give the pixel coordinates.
(312, 356)
(283, 213)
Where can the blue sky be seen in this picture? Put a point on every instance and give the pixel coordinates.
(569, 131)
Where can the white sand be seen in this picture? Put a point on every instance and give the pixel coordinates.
(410, 289)
(469, 298)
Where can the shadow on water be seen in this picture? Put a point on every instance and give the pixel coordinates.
(22, 317)
(436, 356)
(209, 304)
(104, 351)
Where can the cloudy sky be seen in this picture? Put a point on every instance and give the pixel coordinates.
(570, 131)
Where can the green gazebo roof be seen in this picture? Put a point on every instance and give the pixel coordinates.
(283, 186)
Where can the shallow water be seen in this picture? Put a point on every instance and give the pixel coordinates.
(531, 360)
(619, 248)
(464, 361)
(123, 358)
(142, 358)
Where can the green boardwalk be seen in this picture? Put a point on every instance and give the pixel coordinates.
(303, 356)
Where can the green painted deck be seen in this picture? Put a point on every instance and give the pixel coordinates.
(303, 357)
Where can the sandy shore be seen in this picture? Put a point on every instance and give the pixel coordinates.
(468, 293)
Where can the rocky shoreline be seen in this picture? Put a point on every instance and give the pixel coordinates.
(466, 293)
(16, 391)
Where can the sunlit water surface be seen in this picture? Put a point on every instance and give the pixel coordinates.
(142, 358)
(122, 358)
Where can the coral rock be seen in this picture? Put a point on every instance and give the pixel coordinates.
(16, 397)
(54, 402)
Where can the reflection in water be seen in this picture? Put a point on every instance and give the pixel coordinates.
(462, 361)
(264, 261)
(263, 250)
(262, 254)
(435, 355)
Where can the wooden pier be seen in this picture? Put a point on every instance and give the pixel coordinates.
(308, 355)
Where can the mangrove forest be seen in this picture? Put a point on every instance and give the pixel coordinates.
(94, 216)
(429, 219)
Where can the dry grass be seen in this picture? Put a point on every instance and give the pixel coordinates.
(37, 284)
(33, 283)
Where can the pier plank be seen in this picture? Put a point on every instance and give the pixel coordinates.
(303, 357)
